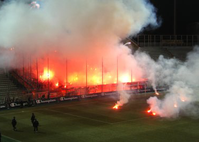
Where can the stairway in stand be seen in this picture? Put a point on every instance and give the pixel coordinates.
(7, 87)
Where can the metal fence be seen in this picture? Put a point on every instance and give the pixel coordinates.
(167, 40)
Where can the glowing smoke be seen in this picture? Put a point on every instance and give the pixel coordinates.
(76, 30)
(73, 28)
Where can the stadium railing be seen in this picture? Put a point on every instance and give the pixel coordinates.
(167, 40)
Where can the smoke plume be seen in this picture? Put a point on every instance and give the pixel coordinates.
(182, 80)
(79, 31)
(73, 28)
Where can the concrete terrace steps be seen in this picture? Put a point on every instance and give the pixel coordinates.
(180, 52)
(155, 52)
(7, 86)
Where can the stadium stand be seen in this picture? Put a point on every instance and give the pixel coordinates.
(8, 89)
(170, 46)
(180, 52)
(155, 52)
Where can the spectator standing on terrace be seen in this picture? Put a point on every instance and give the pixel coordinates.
(35, 125)
(32, 118)
(14, 123)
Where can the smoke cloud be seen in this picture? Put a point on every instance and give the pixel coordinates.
(182, 80)
(73, 28)
(124, 96)
(79, 31)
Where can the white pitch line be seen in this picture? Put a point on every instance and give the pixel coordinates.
(79, 116)
(11, 138)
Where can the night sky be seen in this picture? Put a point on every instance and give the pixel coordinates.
(186, 13)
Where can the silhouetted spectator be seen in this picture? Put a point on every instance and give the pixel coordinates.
(35, 125)
(14, 123)
(32, 118)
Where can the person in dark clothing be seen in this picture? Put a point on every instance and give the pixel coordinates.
(32, 118)
(14, 123)
(35, 125)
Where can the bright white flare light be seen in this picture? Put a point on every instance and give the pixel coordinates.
(128, 43)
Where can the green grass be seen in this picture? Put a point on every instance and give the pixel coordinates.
(94, 120)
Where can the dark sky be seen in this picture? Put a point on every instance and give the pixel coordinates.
(186, 13)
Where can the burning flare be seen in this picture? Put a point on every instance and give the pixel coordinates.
(47, 74)
(57, 84)
(150, 112)
(156, 92)
(116, 106)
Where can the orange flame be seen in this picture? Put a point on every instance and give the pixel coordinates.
(124, 78)
(57, 84)
(47, 74)
(116, 106)
(77, 77)
(149, 111)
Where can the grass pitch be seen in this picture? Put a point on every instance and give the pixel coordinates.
(94, 120)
